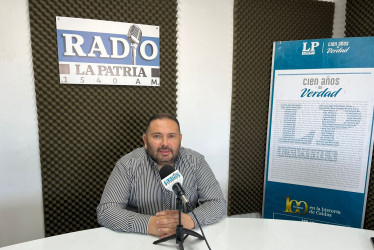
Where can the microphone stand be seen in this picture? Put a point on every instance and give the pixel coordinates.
(181, 231)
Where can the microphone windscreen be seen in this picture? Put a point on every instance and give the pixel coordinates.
(135, 34)
(166, 170)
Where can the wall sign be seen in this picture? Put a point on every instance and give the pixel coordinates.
(320, 133)
(107, 53)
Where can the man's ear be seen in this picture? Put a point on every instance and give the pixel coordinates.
(145, 140)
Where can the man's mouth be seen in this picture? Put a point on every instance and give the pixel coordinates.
(164, 151)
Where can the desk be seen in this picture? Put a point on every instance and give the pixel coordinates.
(229, 233)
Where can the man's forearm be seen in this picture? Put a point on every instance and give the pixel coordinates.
(209, 212)
(116, 218)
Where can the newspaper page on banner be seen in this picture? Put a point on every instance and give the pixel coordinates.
(320, 133)
(107, 53)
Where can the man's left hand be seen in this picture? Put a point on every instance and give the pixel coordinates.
(167, 222)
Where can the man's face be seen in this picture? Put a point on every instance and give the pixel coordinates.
(163, 141)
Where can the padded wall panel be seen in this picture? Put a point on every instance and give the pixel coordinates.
(359, 18)
(359, 21)
(85, 129)
(257, 24)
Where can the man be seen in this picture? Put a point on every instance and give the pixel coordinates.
(134, 199)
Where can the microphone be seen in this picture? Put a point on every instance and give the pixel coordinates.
(172, 181)
(134, 36)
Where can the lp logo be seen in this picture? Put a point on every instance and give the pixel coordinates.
(297, 205)
(311, 50)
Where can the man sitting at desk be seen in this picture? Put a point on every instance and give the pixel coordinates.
(134, 199)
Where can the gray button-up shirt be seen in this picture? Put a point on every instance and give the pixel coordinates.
(134, 192)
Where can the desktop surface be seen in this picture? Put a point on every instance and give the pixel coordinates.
(229, 233)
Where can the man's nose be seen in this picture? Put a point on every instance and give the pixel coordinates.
(164, 141)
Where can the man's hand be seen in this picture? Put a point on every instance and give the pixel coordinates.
(165, 223)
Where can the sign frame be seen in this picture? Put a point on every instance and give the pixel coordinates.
(312, 83)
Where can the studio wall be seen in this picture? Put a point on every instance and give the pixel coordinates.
(204, 34)
(257, 24)
(85, 129)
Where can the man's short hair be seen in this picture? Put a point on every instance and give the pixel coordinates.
(160, 116)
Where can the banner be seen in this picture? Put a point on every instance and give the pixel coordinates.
(320, 132)
(107, 53)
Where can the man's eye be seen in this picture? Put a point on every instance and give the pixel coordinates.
(157, 136)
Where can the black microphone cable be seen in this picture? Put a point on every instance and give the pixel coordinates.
(198, 223)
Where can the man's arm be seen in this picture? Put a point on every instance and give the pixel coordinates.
(212, 205)
(112, 212)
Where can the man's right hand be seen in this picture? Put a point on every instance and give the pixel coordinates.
(165, 223)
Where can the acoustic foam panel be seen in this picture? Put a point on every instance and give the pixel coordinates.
(257, 24)
(359, 18)
(85, 129)
(359, 22)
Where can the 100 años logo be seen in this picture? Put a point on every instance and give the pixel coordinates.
(296, 207)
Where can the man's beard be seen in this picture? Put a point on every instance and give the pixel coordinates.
(159, 159)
